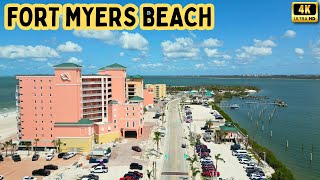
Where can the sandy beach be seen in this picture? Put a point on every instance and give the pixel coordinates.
(8, 125)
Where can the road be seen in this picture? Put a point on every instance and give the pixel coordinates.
(174, 166)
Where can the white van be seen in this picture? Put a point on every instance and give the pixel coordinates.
(238, 152)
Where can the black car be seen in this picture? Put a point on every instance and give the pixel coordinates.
(204, 128)
(135, 166)
(16, 158)
(136, 148)
(35, 157)
(90, 176)
(235, 147)
(183, 145)
(60, 155)
(1, 158)
(40, 172)
(50, 167)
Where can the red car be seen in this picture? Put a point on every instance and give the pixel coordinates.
(128, 178)
(210, 173)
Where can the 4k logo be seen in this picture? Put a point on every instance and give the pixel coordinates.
(305, 12)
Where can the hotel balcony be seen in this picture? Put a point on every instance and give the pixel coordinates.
(92, 106)
(91, 82)
(92, 112)
(18, 109)
(17, 104)
(95, 117)
(93, 94)
(91, 88)
(19, 135)
(91, 100)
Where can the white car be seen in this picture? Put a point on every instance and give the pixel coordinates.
(29, 178)
(1, 177)
(244, 161)
(249, 165)
(72, 154)
(255, 176)
(99, 169)
(206, 160)
(49, 157)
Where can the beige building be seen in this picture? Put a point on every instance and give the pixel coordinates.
(134, 86)
(159, 90)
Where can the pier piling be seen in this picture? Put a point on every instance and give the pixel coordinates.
(310, 156)
(287, 144)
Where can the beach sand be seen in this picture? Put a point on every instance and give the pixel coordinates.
(8, 125)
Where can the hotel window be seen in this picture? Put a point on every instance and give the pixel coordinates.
(50, 94)
(42, 129)
(34, 87)
(36, 129)
(42, 135)
(132, 124)
(127, 108)
(50, 115)
(127, 114)
(132, 114)
(35, 108)
(50, 108)
(133, 108)
(50, 87)
(51, 129)
(127, 124)
(35, 101)
(35, 114)
(36, 135)
(41, 101)
(140, 121)
(42, 115)
(40, 87)
(51, 135)
(34, 80)
(41, 108)
(49, 80)
(41, 94)
(50, 101)
(115, 127)
(115, 121)
(35, 94)
(42, 121)
(40, 80)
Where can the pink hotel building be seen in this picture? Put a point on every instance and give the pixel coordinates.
(80, 110)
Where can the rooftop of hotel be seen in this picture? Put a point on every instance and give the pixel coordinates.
(67, 65)
(228, 127)
(135, 77)
(113, 66)
(136, 98)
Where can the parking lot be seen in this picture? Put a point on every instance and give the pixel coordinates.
(17, 170)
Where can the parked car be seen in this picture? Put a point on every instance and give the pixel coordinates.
(40, 172)
(99, 169)
(131, 175)
(49, 157)
(244, 161)
(60, 155)
(136, 148)
(1, 177)
(207, 173)
(136, 173)
(235, 147)
(90, 177)
(1, 157)
(29, 178)
(183, 145)
(162, 134)
(16, 158)
(96, 165)
(136, 166)
(50, 167)
(69, 155)
(204, 128)
(35, 157)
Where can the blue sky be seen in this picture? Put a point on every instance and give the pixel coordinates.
(250, 37)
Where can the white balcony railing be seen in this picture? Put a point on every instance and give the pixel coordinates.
(91, 88)
(95, 117)
(93, 106)
(91, 82)
(93, 94)
(92, 112)
(91, 100)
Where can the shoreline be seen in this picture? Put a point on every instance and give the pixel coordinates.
(281, 170)
(8, 123)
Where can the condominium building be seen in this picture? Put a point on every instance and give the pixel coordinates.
(79, 110)
(159, 90)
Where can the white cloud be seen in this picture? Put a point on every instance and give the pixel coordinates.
(193, 35)
(136, 59)
(69, 47)
(217, 63)
(74, 60)
(226, 57)
(121, 54)
(27, 52)
(133, 41)
(316, 49)
(264, 43)
(181, 48)
(106, 36)
(92, 67)
(151, 65)
(126, 40)
(299, 51)
(3, 66)
(200, 66)
(212, 42)
(290, 34)
(49, 64)
(260, 48)
(211, 52)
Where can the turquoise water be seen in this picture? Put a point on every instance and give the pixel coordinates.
(299, 123)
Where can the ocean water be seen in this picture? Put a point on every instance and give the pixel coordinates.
(298, 123)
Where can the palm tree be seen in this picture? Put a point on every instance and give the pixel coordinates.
(59, 143)
(36, 145)
(218, 158)
(209, 124)
(10, 144)
(13, 150)
(157, 138)
(149, 173)
(195, 171)
(28, 145)
(54, 142)
(6, 145)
